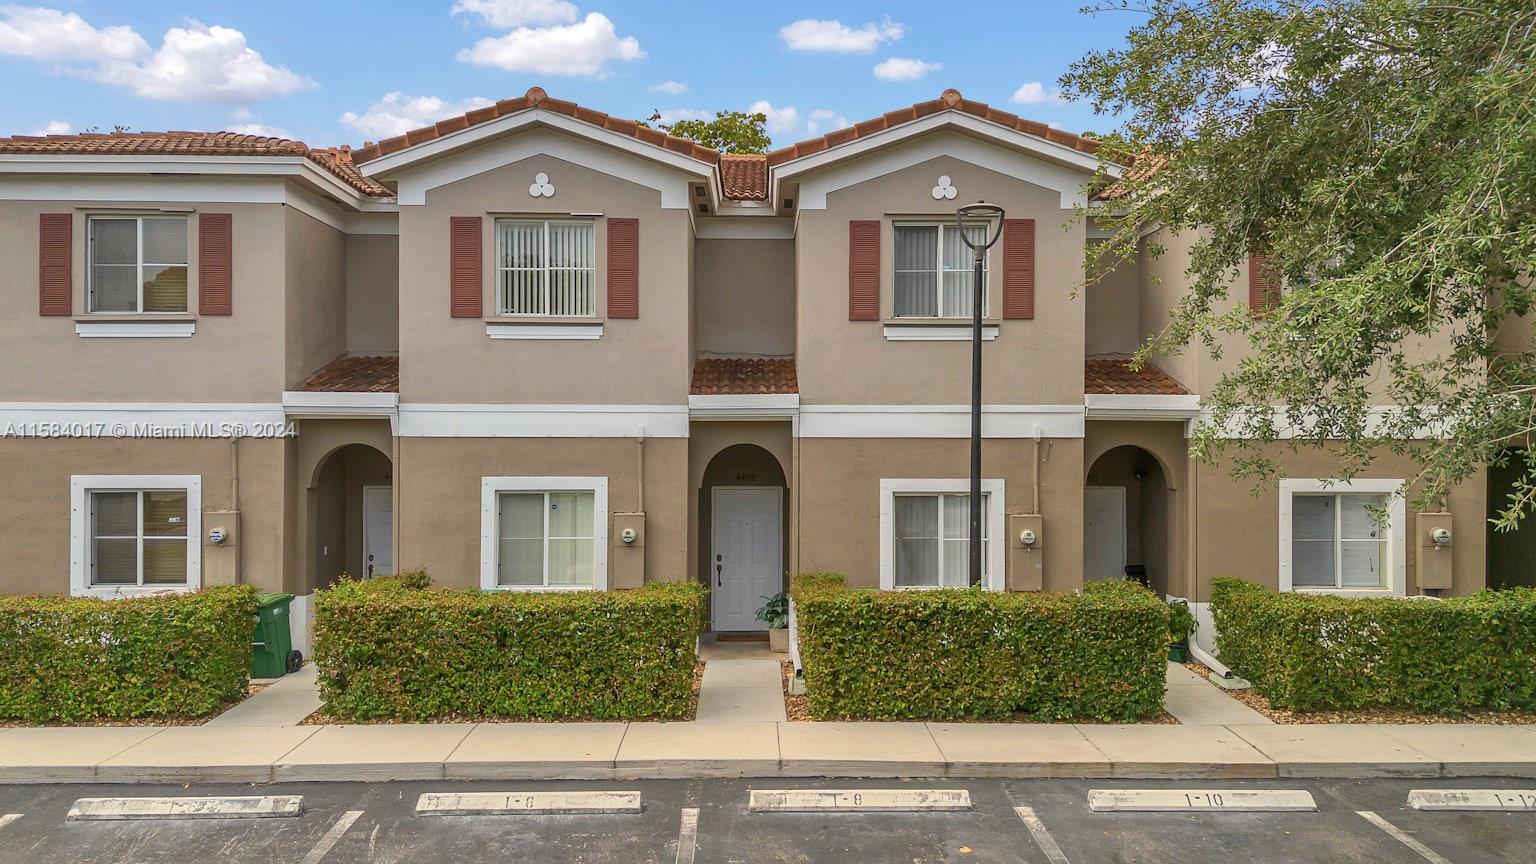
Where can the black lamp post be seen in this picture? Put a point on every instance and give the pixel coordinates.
(973, 212)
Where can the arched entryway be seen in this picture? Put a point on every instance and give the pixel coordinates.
(743, 514)
(351, 515)
(1126, 516)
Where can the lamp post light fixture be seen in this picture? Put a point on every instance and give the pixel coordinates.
(972, 213)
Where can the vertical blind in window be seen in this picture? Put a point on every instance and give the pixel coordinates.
(546, 538)
(545, 268)
(1336, 541)
(932, 540)
(933, 270)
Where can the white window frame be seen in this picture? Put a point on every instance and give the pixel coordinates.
(943, 226)
(138, 221)
(545, 269)
(996, 547)
(80, 488)
(1396, 568)
(491, 487)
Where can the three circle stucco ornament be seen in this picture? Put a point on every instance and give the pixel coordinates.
(542, 188)
(945, 189)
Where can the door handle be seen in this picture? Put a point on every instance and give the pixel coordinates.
(719, 569)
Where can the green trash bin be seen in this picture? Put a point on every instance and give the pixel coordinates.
(272, 653)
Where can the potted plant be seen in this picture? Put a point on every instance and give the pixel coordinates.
(1181, 623)
(775, 612)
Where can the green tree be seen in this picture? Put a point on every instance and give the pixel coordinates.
(1382, 155)
(729, 132)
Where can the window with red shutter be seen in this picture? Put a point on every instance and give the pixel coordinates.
(215, 264)
(465, 277)
(55, 253)
(1263, 284)
(1019, 268)
(623, 268)
(864, 270)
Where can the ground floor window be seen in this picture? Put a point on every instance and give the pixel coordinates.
(925, 533)
(544, 533)
(135, 533)
(1344, 537)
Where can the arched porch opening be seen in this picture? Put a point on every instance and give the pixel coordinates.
(1127, 512)
(351, 515)
(743, 507)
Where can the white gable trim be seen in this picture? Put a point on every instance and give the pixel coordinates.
(1000, 154)
(671, 181)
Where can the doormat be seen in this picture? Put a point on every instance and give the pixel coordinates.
(760, 636)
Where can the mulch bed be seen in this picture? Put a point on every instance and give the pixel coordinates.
(1255, 700)
(320, 718)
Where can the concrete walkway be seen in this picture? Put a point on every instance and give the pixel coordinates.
(1194, 701)
(741, 690)
(285, 702)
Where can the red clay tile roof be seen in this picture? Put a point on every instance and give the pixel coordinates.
(1115, 376)
(744, 177)
(536, 98)
(740, 376)
(336, 160)
(950, 99)
(356, 375)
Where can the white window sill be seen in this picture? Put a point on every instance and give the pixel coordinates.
(543, 589)
(117, 592)
(119, 329)
(498, 330)
(1348, 592)
(931, 333)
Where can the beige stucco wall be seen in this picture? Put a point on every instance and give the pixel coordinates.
(316, 300)
(36, 505)
(1163, 283)
(745, 303)
(373, 293)
(1112, 310)
(437, 504)
(1033, 362)
(839, 502)
(236, 358)
(1236, 532)
(451, 360)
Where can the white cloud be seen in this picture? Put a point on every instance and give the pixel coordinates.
(54, 127)
(397, 114)
(780, 120)
(811, 34)
(1033, 93)
(672, 87)
(575, 49)
(516, 13)
(260, 129)
(48, 34)
(199, 63)
(672, 115)
(904, 69)
(823, 118)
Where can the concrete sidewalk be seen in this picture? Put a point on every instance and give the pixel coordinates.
(505, 751)
(284, 702)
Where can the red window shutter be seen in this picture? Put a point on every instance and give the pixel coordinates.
(55, 253)
(215, 264)
(864, 270)
(466, 278)
(623, 268)
(1018, 268)
(1263, 284)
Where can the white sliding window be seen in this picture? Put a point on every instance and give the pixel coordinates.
(545, 268)
(137, 264)
(934, 270)
(1342, 537)
(544, 533)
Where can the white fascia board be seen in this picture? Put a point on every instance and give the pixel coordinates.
(940, 421)
(489, 420)
(1376, 418)
(479, 133)
(1120, 406)
(744, 405)
(1067, 181)
(301, 402)
(415, 181)
(287, 167)
(86, 189)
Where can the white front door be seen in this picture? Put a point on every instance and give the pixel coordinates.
(1103, 533)
(746, 563)
(378, 530)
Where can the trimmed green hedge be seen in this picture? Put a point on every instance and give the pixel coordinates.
(1314, 652)
(75, 659)
(388, 649)
(966, 653)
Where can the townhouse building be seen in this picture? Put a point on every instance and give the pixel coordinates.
(537, 347)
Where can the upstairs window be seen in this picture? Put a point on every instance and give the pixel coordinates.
(137, 264)
(545, 268)
(934, 270)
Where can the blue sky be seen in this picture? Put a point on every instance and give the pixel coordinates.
(333, 73)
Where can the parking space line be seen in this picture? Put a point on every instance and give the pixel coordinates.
(8, 819)
(688, 835)
(1043, 838)
(331, 837)
(1402, 837)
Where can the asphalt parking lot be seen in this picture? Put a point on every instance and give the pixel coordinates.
(351, 823)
